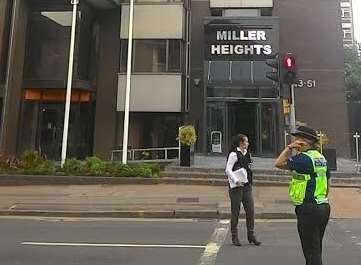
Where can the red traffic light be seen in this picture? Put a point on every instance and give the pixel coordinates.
(289, 61)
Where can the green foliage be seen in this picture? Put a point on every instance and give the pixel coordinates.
(187, 135)
(72, 166)
(94, 166)
(30, 159)
(8, 164)
(137, 170)
(141, 172)
(32, 163)
(154, 168)
(353, 74)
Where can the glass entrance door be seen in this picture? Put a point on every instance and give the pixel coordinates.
(257, 120)
(242, 118)
(268, 132)
(216, 112)
(51, 130)
(80, 133)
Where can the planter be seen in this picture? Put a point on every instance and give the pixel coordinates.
(185, 156)
(330, 155)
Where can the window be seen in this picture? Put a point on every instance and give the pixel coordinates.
(216, 12)
(49, 41)
(150, 56)
(241, 12)
(346, 13)
(174, 56)
(48, 45)
(153, 56)
(347, 34)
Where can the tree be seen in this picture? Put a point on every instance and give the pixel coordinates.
(353, 73)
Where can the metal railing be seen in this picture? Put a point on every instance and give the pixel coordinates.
(148, 154)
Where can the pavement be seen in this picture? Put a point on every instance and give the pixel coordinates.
(344, 165)
(157, 201)
(196, 192)
(67, 241)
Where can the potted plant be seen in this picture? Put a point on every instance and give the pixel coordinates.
(187, 137)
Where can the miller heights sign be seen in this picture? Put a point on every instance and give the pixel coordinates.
(240, 39)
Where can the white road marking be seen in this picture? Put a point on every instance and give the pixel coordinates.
(219, 235)
(64, 244)
(224, 222)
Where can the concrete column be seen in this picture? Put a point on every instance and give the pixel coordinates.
(14, 78)
(107, 84)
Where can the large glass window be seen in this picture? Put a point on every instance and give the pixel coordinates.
(150, 56)
(48, 45)
(49, 41)
(153, 56)
(174, 58)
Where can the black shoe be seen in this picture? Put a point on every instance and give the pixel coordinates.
(235, 241)
(253, 239)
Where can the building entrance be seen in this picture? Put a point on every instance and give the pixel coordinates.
(80, 134)
(257, 120)
(242, 118)
(42, 128)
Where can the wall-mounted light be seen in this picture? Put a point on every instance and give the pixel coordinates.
(196, 81)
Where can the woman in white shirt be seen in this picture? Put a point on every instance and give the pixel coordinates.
(240, 182)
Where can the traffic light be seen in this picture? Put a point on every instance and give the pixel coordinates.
(274, 63)
(289, 69)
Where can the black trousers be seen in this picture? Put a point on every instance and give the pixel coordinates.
(237, 196)
(312, 220)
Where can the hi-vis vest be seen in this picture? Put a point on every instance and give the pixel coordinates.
(298, 185)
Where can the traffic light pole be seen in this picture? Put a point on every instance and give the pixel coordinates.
(292, 109)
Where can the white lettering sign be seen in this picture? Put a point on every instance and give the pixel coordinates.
(226, 49)
(241, 49)
(310, 83)
(232, 35)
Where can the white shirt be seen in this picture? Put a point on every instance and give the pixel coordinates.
(232, 159)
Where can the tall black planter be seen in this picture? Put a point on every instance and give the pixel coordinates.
(185, 155)
(330, 155)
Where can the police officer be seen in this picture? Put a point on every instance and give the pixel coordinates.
(308, 190)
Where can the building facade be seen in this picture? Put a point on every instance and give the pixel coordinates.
(347, 23)
(199, 62)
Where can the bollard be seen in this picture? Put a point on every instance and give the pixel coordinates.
(320, 134)
(357, 136)
(286, 134)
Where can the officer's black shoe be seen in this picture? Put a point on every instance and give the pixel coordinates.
(235, 241)
(253, 239)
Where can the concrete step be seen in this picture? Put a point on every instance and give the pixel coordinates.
(221, 170)
(258, 178)
(206, 175)
(217, 172)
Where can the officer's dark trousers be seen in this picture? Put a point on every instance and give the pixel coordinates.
(312, 220)
(237, 196)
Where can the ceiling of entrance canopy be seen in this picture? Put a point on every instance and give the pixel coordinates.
(101, 4)
(104, 3)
